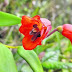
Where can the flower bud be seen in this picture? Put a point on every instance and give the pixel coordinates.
(66, 30)
(59, 29)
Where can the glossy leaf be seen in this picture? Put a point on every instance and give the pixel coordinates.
(7, 19)
(7, 63)
(31, 58)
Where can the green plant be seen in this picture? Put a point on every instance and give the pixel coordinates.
(7, 62)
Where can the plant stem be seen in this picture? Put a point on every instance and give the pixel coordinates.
(52, 32)
(10, 46)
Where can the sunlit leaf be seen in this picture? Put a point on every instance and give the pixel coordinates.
(7, 63)
(7, 19)
(31, 58)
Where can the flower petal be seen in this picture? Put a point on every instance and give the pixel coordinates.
(47, 24)
(67, 31)
(26, 20)
(27, 24)
(28, 44)
(37, 17)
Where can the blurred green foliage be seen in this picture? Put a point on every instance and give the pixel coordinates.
(57, 48)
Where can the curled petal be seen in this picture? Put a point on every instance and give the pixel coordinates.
(46, 22)
(47, 26)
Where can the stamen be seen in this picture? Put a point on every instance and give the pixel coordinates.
(39, 35)
(35, 29)
(31, 32)
(35, 32)
(35, 36)
(35, 25)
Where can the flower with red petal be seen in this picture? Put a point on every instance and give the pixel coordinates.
(66, 31)
(35, 30)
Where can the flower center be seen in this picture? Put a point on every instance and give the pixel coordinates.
(35, 32)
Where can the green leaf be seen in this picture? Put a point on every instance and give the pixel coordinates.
(41, 48)
(7, 19)
(57, 65)
(35, 12)
(31, 58)
(7, 63)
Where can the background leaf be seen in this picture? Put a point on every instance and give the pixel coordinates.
(31, 58)
(8, 19)
(57, 65)
(7, 63)
(35, 12)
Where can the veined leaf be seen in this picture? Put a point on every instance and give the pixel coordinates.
(31, 58)
(7, 19)
(7, 63)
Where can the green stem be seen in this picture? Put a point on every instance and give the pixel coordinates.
(11, 46)
(52, 32)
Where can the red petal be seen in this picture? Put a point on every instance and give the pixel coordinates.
(28, 44)
(67, 27)
(67, 31)
(27, 24)
(26, 20)
(37, 17)
(24, 30)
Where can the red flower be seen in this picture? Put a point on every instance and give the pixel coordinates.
(67, 31)
(35, 30)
